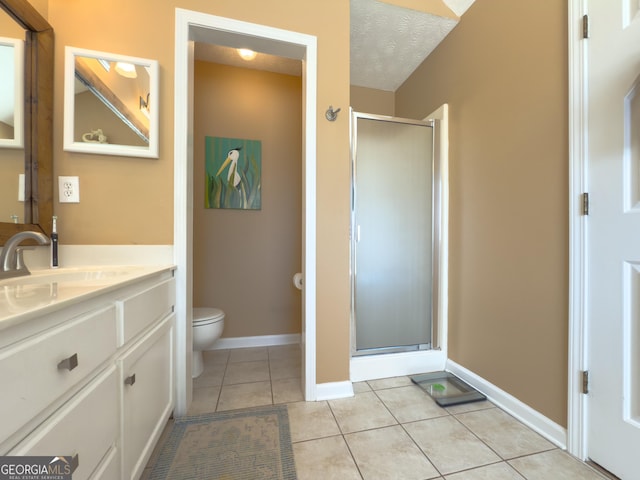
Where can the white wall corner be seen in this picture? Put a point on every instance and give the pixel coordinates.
(334, 390)
(521, 411)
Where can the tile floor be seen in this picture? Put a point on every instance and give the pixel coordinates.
(390, 429)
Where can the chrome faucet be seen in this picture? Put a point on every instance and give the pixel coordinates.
(11, 261)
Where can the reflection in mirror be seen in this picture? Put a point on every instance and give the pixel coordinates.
(11, 130)
(11, 120)
(11, 92)
(109, 104)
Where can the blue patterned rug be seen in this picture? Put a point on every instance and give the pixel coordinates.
(248, 444)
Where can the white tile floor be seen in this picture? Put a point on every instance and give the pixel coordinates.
(390, 429)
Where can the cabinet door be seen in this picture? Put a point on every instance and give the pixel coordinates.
(147, 395)
(86, 427)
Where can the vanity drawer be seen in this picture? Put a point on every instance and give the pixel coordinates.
(140, 310)
(86, 427)
(38, 370)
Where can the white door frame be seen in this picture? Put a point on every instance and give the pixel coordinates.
(578, 274)
(195, 26)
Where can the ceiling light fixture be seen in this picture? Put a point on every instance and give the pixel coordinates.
(247, 54)
(127, 70)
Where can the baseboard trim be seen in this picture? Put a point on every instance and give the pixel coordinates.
(372, 367)
(225, 343)
(333, 390)
(523, 412)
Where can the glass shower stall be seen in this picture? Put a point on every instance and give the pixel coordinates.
(394, 234)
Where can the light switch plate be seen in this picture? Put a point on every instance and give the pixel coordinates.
(69, 189)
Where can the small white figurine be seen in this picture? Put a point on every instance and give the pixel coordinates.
(95, 136)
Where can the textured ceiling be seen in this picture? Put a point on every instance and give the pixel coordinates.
(388, 42)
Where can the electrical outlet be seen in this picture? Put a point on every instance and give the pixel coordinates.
(69, 189)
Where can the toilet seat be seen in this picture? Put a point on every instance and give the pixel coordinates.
(206, 316)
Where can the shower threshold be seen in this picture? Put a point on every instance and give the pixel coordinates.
(395, 349)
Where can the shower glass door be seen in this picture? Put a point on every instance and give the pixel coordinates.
(392, 239)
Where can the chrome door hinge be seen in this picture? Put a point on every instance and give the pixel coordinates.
(585, 203)
(585, 26)
(585, 382)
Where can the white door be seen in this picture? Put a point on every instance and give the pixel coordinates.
(613, 243)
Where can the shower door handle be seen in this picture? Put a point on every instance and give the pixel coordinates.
(357, 233)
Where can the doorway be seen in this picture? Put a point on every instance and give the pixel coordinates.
(195, 26)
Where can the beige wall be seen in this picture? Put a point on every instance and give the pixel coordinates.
(6, 131)
(506, 84)
(244, 260)
(42, 6)
(130, 200)
(9, 27)
(371, 100)
(12, 161)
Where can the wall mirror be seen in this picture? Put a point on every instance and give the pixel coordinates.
(26, 187)
(110, 104)
(11, 92)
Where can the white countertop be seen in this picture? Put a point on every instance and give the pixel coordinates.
(48, 290)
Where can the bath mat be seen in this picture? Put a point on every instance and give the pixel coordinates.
(248, 444)
(447, 389)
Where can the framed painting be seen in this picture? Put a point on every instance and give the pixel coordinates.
(233, 173)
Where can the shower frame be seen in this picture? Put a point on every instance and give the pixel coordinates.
(436, 232)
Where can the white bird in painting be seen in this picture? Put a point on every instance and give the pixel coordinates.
(232, 158)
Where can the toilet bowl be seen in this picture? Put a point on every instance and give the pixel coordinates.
(208, 324)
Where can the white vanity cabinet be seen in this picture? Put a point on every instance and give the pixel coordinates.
(92, 379)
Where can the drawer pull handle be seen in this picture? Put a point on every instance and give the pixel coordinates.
(130, 380)
(75, 462)
(69, 363)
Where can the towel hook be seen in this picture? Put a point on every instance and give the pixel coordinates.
(331, 114)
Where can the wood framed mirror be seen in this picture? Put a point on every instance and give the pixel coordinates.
(38, 121)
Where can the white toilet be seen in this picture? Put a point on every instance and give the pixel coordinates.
(208, 324)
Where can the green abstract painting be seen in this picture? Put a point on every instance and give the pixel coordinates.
(233, 173)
